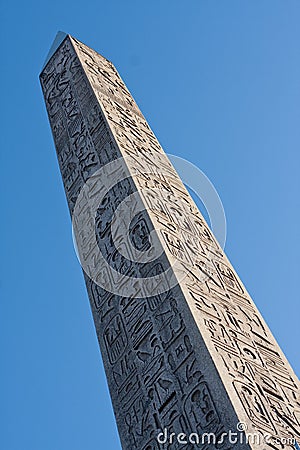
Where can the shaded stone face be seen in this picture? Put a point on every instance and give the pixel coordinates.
(184, 348)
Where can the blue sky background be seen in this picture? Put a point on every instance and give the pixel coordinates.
(219, 82)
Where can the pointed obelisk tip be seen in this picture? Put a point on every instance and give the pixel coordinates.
(60, 36)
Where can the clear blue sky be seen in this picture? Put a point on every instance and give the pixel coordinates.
(219, 82)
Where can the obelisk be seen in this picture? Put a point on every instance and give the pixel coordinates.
(189, 360)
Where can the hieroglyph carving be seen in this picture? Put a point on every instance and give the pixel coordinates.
(196, 357)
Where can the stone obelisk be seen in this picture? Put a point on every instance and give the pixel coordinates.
(187, 355)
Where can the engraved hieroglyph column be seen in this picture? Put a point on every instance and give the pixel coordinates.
(185, 349)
